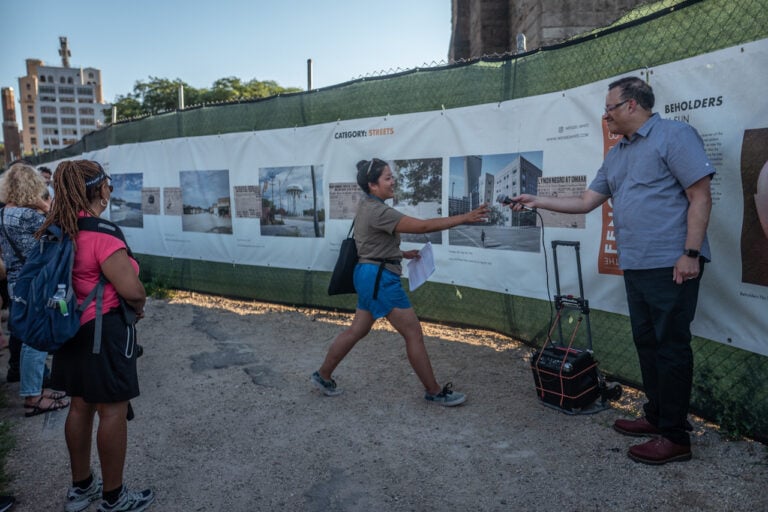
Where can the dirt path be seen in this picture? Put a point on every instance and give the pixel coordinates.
(227, 421)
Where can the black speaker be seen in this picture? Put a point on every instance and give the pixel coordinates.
(565, 377)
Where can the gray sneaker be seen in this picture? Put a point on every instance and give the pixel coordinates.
(328, 387)
(134, 501)
(80, 499)
(446, 397)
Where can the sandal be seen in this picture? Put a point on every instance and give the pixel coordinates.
(54, 395)
(54, 405)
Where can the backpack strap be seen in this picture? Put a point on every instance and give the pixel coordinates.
(103, 226)
(100, 225)
(98, 294)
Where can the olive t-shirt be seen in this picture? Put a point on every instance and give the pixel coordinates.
(375, 235)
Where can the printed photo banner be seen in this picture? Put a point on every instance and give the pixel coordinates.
(286, 198)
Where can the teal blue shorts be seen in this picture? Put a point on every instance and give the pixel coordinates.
(391, 293)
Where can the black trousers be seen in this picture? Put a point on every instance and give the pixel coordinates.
(661, 312)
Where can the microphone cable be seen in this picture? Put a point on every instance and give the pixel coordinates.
(505, 200)
(546, 272)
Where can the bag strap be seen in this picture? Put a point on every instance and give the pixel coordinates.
(383, 262)
(98, 294)
(352, 227)
(100, 226)
(15, 247)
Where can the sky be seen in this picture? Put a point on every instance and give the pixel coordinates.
(201, 41)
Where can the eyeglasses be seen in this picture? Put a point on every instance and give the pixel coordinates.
(611, 108)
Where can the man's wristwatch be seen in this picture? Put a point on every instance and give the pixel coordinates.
(691, 253)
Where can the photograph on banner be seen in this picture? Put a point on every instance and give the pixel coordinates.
(608, 259)
(125, 201)
(754, 229)
(206, 202)
(172, 201)
(292, 201)
(712, 94)
(562, 186)
(478, 179)
(418, 193)
(150, 200)
(248, 203)
(343, 199)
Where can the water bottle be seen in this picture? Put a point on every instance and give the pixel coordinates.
(60, 298)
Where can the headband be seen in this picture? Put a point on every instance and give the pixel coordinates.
(98, 178)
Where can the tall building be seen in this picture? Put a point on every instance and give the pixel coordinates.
(11, 138)
(59, 105)
(520, 176)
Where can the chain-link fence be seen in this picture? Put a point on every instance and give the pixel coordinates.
(730, 385)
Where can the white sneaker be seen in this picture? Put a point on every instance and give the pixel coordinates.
(80, 499)
(135, 501)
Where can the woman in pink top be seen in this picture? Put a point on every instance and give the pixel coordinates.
(100, 383)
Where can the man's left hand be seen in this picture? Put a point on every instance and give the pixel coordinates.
(685, 268)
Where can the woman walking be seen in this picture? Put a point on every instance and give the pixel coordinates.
(377, 280)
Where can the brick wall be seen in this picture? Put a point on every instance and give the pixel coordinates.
(487, 27)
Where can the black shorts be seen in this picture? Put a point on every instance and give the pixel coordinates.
(107, 377)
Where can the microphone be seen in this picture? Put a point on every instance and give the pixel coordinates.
(506, 200)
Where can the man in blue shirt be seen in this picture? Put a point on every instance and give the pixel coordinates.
(658, 177)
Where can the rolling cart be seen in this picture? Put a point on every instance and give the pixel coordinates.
(567, 378)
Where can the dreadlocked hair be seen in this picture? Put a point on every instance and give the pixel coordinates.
(71, 196)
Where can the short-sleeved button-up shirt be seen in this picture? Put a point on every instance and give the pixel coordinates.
(646, 177)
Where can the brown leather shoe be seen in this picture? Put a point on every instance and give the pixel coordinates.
(636, 428)
(659, 451)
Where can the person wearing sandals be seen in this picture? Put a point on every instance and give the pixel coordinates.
(100, 383)
(377, 229)
(24, 193)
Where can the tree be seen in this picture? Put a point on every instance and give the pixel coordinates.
(225, 89)
(422, 180)
(160, 94)
(127, 106)
(496, 215)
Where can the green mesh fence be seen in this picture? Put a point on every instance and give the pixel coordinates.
(730, 386)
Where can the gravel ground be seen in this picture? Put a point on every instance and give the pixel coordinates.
(227, 421)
